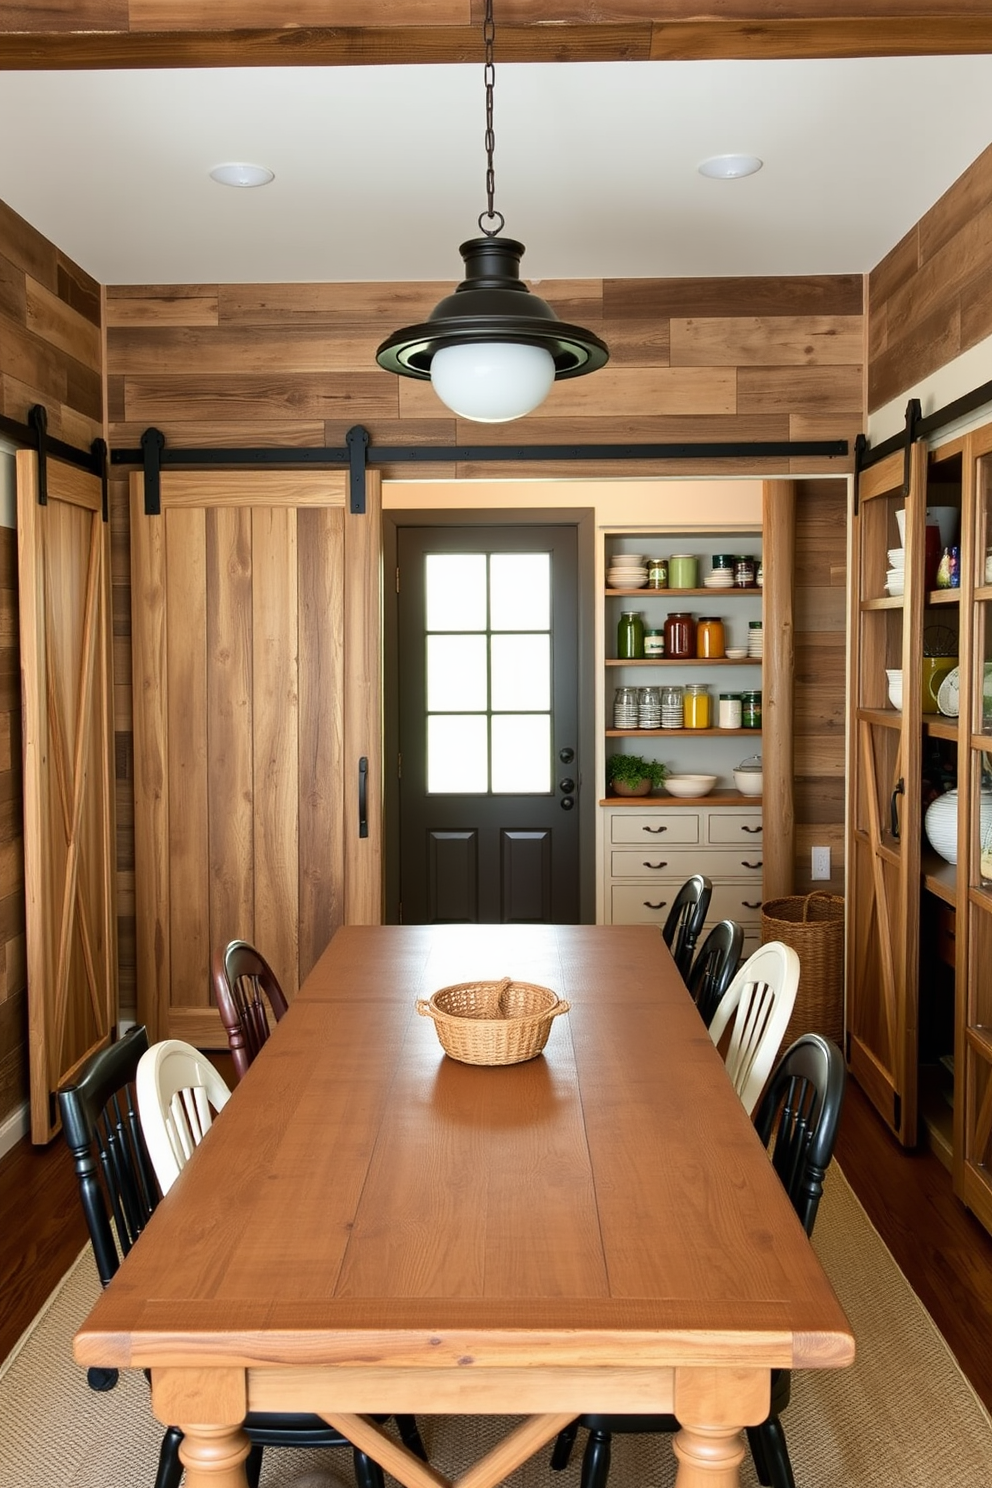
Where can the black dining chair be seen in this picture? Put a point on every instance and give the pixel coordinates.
(119, 1193)
(713, 970)
(801, 1110)
(686, 919)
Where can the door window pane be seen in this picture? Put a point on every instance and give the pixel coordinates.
(456, 673)
(521, 672)
(455, 585)
(457, 756)
(520, 595)
(521, 753)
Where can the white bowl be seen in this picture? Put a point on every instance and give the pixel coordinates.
(748, 782)
(897, 557)
(689, 785)
(895, 581)
(895, 694)
(736, 653)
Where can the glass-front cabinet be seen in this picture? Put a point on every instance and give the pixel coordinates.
(919, 938)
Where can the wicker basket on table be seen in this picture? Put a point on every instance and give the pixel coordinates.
(501, 1022)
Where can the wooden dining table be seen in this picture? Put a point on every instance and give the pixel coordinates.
(373, 1227)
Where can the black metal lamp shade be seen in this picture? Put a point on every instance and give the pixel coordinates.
(492, 304)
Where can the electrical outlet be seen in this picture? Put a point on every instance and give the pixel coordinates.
(821, 863)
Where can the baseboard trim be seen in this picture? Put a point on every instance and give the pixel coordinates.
(14, 1127)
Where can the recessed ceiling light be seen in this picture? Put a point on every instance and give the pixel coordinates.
(239, 174)
(729, 167)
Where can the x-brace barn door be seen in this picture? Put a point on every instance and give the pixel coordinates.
(69, 833)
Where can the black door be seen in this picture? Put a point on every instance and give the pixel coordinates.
(488, 725)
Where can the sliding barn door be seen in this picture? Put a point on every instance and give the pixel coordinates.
(69, 836)
(255, 632)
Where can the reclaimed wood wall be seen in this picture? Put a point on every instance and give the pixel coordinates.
(930, 298)
(748, 359)
(50, 353)
(819, 699)
(175, 33)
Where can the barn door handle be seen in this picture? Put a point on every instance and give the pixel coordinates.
(363, 797)
(900, 790)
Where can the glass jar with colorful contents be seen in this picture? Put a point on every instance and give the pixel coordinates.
(696, 706)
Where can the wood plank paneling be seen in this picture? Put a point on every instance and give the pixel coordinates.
(108, 33)
(929, 299)
(50, 353)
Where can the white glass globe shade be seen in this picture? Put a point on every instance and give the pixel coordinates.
(492, 381)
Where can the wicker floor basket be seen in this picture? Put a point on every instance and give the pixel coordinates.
(813, 925)
(501, 1022)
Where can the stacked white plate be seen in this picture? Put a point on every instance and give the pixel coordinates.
(895, 578)
(627, 571)
(719, 578)
(755, 643)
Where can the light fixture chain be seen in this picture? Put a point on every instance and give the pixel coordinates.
(489, 78)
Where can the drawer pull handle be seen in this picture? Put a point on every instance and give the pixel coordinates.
(748, 905)
(662, 904)
(750, 829)
(654, 829)
(758, 864)
(655, 865)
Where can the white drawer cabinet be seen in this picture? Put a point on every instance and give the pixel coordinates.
(644, 867)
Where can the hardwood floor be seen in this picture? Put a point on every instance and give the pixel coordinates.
(944, 1252)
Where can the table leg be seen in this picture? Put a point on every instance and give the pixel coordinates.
(713, 1406)
(708, 1457)
(214, 1456)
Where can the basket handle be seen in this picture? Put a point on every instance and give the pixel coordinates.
(816, 894)
(560, 1007)
(424, 1008)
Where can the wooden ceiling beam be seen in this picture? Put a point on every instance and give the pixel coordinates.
(617, 41)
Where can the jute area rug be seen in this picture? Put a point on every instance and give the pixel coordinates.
(903, 1417)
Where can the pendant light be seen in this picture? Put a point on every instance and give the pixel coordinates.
(492, 349)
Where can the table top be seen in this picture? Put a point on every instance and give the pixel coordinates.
(363, 1197)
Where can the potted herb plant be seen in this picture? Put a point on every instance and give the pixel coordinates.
(633, 775)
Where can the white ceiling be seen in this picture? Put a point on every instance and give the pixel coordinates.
(379, 171)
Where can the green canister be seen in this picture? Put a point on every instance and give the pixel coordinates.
(751, 710)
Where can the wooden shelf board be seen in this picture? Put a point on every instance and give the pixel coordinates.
(715, 798)
(887, 717)
(890, 602)
(684, 661)
(684, 593)
(942, 597)
(938, 727)
(684, 733)
(981, 741)
(936, 1116)
(939, 876)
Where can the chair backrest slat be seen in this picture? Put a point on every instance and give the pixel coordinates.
(178, 1092)
(760, 1000)
(801, 1109)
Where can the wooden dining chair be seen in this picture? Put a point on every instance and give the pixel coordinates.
(243, 983)
(179, 1092)
(686, 919)
(800, 1110)
(760, 1000)
(715, 966)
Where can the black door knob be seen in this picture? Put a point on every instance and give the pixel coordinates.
(567, 785)
(567, 802)
(566, 755)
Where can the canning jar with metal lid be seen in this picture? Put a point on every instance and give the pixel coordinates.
(751, 710)
(696, 706)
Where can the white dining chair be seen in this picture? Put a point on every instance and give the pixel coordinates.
(179, 1092)
(760, 1000)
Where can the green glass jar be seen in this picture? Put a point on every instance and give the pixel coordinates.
(751, 710)
(630, 637)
